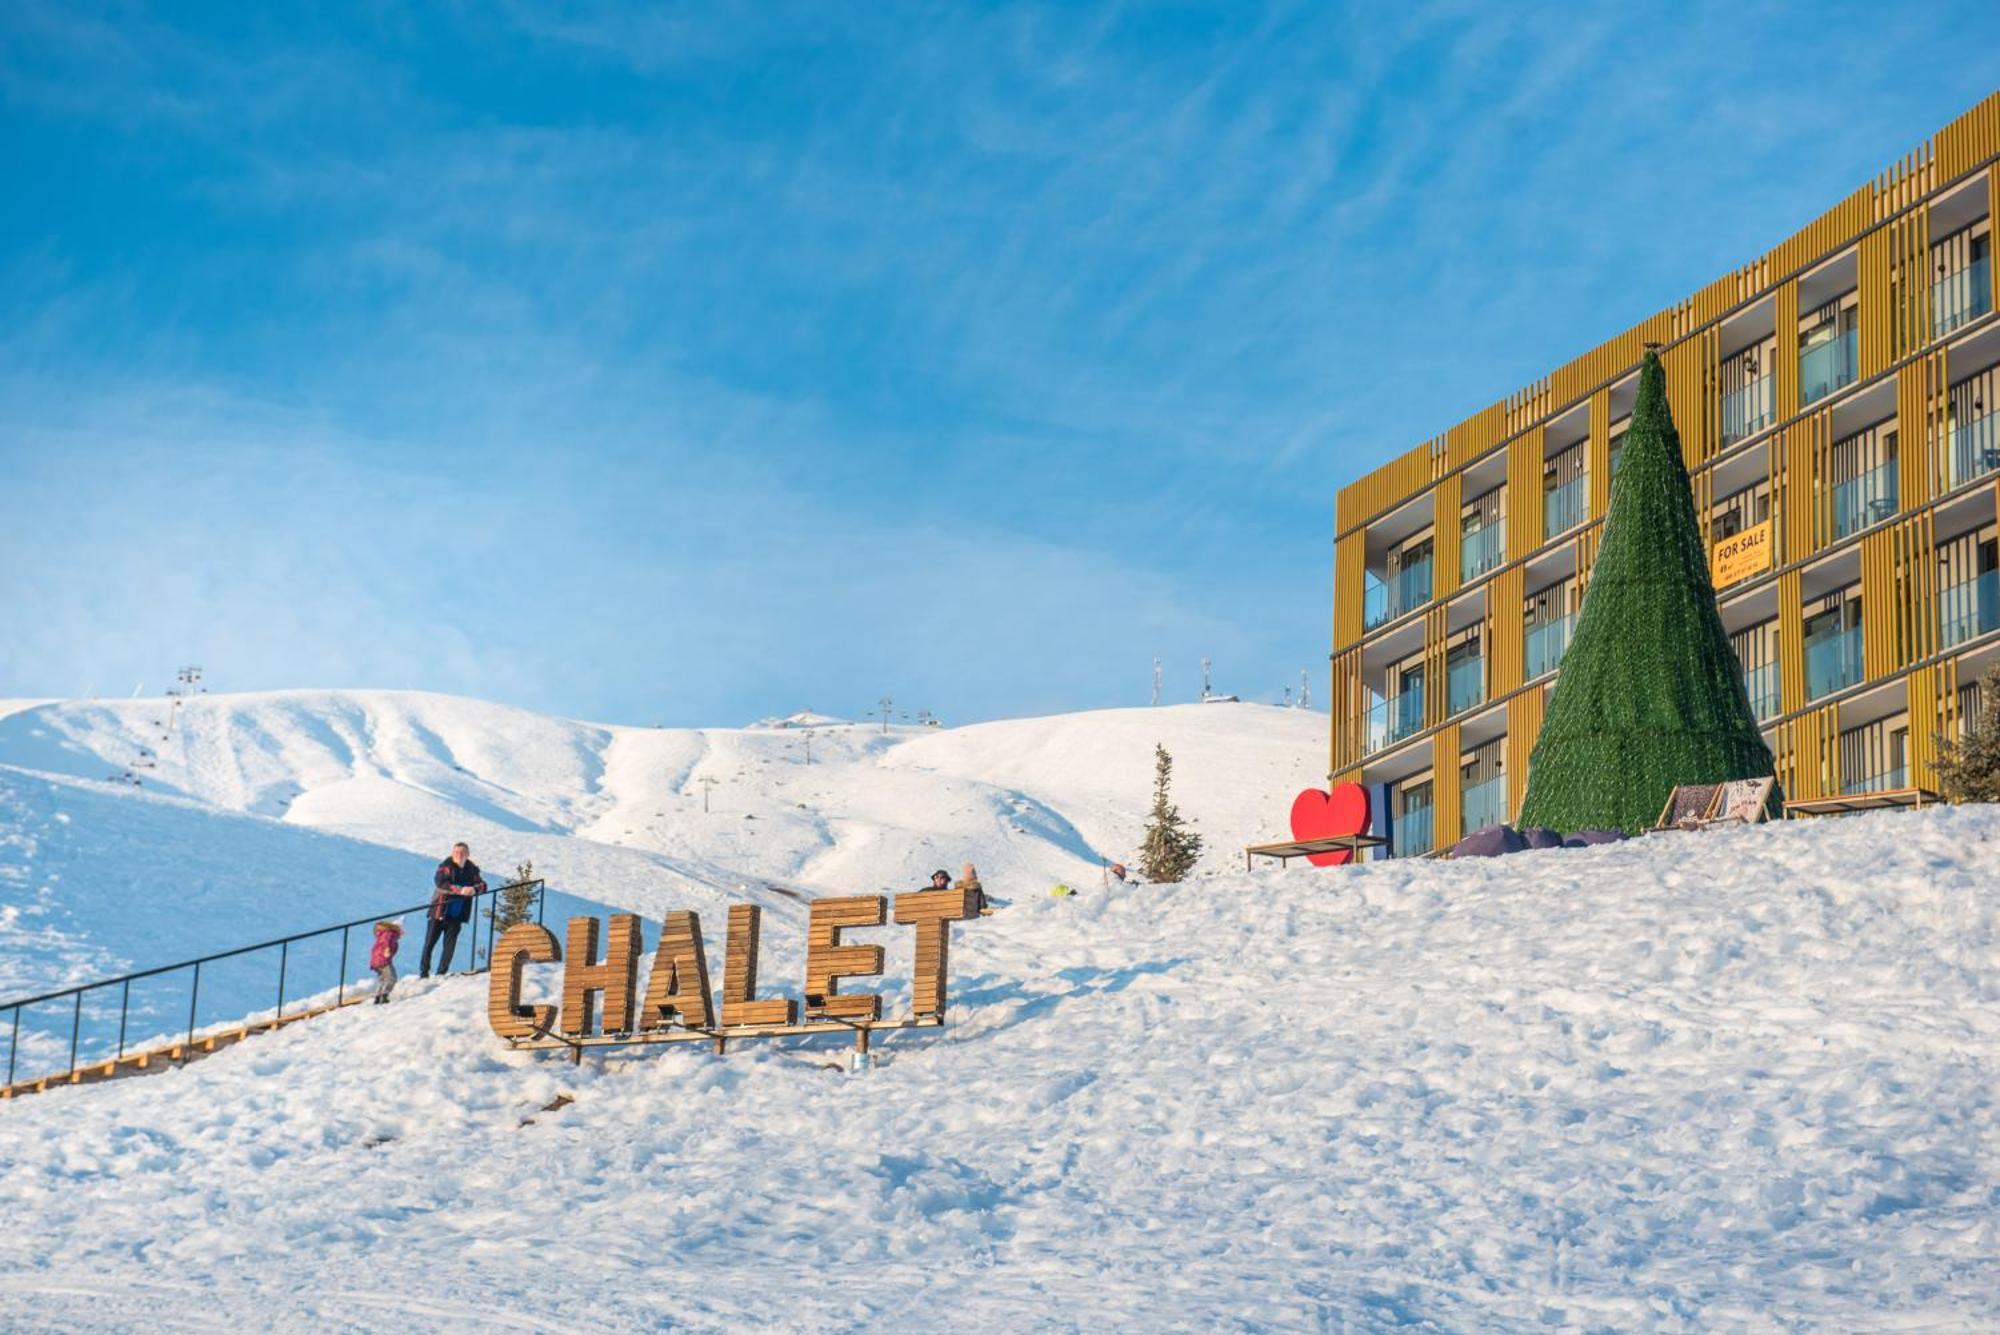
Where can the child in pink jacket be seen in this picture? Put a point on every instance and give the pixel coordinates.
(382, 959)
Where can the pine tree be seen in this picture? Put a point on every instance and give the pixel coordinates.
(516, 899)
(1968, 767)
(1650, 693)
(1171, 848)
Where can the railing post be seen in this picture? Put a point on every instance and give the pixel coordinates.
(340, 989)
(13, 1045)
(124, 1008)
(284, 957)
(194, 997)
(541, 895)
(75, 1029)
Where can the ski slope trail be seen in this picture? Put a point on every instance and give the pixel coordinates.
(1742, 1079)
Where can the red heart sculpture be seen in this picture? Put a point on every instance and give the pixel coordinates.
(1317, 814)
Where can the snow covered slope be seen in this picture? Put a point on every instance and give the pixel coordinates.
(1725, 1081)
(140, 832)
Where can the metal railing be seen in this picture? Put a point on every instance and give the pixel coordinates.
(91, 1002)
(1962, 297)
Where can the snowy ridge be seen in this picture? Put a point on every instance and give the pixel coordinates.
(234, 794)
(1686, 1083)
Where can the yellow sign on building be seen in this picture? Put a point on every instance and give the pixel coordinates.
(1741, 555)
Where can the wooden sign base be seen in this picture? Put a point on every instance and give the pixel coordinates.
(544, 1040)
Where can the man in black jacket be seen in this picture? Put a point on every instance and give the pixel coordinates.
(456, 882)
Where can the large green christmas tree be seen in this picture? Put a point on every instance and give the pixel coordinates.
(1650, 693)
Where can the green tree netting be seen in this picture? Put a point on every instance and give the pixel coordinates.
(1650, 693)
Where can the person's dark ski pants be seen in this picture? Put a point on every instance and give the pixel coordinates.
(438, 929)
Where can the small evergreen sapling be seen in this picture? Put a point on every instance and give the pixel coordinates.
(1171, 848)
(516, 899)
(1968, 767)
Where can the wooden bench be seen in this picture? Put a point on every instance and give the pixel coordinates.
(1298, 848)
(1887, 799)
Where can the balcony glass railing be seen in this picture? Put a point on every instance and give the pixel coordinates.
(1865, 501)
(1546, 644)
(1962, 297)
(1899, 777)
(1406, 590)
(1969, 608)
(1391, 720)
(1563, 508)
(1749, 410)
(1761, 685)
(1483, 804)
(1833, 662)
(1480, 550)
(1828, 367)
(1464, 684)
(1973, 450)
(1411, 835)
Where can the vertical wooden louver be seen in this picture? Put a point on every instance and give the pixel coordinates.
(1791, 643)
(1524, 494)
(1506, 635)
(1524, 724)
(1446, 790)
(1600, 453)
(1350, 555)
(1444, 546)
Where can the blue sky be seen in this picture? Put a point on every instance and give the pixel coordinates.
(688, 364)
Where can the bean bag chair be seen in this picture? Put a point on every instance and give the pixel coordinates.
(1491, 842)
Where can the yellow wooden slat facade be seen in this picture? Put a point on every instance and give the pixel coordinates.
(1447, 796)
(1524, 724)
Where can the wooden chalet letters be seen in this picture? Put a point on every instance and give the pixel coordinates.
(678, 1004)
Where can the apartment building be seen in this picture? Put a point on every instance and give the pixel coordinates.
(1838, 403)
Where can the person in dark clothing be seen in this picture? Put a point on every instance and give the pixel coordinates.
(455, 884)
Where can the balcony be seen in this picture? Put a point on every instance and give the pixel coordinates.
(1563, 509)
(1899, 777)
(1464, 684)
(1483, 804)
(1405, 591)
(1480, 550)
(1962, 297)
(1866, 501)
(1761, 685)
(1546, 644)
(1973, 450)
(1969, 609)
(1410, 837)
(1829, 366)
(1833, 662)
(1749, 410)
(1391, 720)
